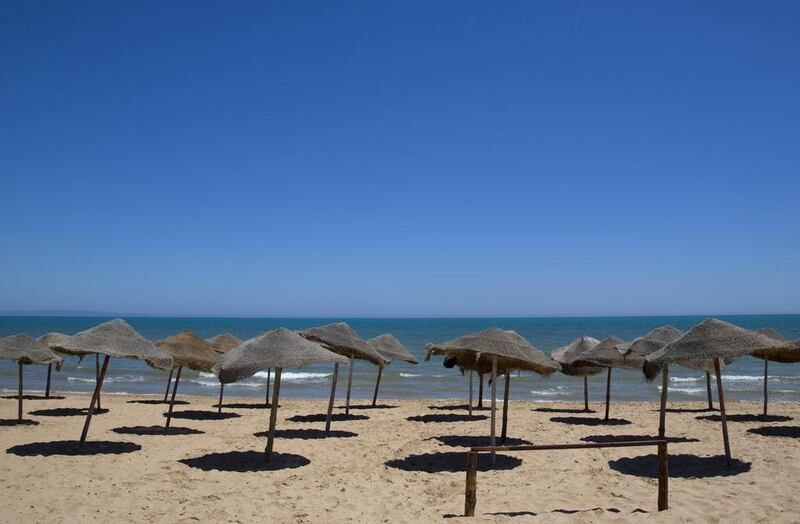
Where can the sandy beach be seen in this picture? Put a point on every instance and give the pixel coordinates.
(404, 462)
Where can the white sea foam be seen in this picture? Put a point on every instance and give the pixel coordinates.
(296, 376)
(409, 375)
(117, 379)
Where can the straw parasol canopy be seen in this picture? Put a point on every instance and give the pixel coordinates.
(224, 342)
(54, 339)
(391, 348)
(342, 339)
(25, 350)
(787, 353)
(277, 349)
(488, 351)
(651, 341)
(568, 354)
(187, 349)
(607, 355)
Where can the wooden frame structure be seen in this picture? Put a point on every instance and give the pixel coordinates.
(470, 493)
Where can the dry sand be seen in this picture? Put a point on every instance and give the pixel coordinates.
(376, 475)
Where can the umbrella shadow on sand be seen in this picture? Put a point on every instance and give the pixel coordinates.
(308, 433)
(17, 422)
(446, 417)
(322, 417)
(246, 461)
(687, 410)
(459, 407)
(628, 438)
(452, 462)
(368, 406)
(587, 421)
(469, 441)
(73, 448)
(196, 414)
(680, 466)
(157, 402)
(66, 412)
(749, 417)
(33, 397)
(777, 431)
(156, 430)
(563, 410)
(244, 405)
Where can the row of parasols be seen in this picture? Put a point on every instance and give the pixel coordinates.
(708, 346)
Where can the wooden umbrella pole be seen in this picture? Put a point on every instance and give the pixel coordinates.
(269, 376)
(505, 407)
(349, 386)
(169, 381)
(608, 393)
(480, 391)
(662, 416)
(47, 387)
(586, 393)
(221, 390)
(766, 370)
(721, 396)
(19, 402)
(494, 406)
(172, 399)
(377, 385)
(273, 413)
(330, 402)
(95, 397)
(97, 377)
(708, 390)
(470, 393)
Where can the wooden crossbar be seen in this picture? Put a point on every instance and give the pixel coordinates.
(471, 491)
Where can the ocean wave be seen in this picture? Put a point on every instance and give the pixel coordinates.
(551, 392)
(687, 391)
(409, 375)
(117, 379)
(286, 376)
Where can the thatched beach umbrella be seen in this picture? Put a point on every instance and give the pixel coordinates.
(222, 344)
(491, 350)
(277, 349)
(566, 356)
(53, 341)
(187, 349)
(391, 349)
(47, 339)
(784, 355)
(25, 350)
(115, 338)
(607, 355)
(703, 347)
(343, 340)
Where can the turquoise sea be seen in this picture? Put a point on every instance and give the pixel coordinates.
(742, 379)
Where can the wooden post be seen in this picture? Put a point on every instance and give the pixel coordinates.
(469, 404)
(172, 400)
(19, 402)
(663, 478)
(95, 397)
(377, 385)
(219, 404)
(330, 402)
(273, 412)
(169, 382)
(47, 387)
(494, 406)
(97, 377)
(269, 376)
(662, 416)
(480, 391)
(708, 390)
(608, 393)
(505, 407)
(766, 370)
(471, 491)
(349, 386)
(586, 393)
(722, 413)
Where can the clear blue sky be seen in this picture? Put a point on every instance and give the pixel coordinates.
(400, 158)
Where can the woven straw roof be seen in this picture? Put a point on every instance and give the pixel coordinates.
(786, 354)
(224, 342)
(187, 349)
(474, 352)
(568, 354)
(26, 350)
(607, 355)
(342, 339)
(115, 338)
(391, 348)
(651, 341)
(54, 340)
(710, 339)
(280, 348)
